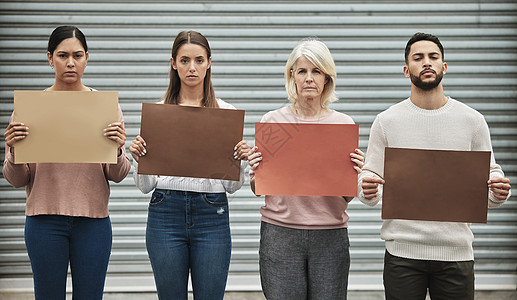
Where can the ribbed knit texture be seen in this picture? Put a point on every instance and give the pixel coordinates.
(454, 126)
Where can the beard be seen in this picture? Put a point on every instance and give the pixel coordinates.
(426, 86)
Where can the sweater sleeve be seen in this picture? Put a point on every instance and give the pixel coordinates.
(117, 172)
(374, 161)
(231, 186)
(18, 175)
(145, 183)
(481, 142)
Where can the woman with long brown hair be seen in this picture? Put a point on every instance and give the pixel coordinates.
(188, 224)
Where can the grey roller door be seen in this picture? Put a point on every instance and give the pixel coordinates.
(130, 43)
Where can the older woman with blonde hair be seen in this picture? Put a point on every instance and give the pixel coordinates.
(304, 247)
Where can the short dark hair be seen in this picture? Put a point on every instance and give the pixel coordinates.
(65, 32)
(420, 36)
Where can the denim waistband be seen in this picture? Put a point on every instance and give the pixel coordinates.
(183, 193)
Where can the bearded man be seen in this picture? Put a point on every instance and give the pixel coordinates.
(428, 255)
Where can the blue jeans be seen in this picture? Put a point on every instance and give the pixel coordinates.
(53, 241)
(189, 231)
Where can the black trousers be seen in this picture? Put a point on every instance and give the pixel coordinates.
(409, 279)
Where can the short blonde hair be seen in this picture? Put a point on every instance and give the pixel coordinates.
(319, 55)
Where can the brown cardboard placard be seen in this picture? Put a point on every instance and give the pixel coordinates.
(190, 141)
(436, 185)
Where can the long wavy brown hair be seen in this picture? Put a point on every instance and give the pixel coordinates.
(173, 91)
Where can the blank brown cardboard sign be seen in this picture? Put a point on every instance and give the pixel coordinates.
(65, 126)
(436, 185)
(306, 159)
(190, 141)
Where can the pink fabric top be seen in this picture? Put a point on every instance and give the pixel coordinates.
(305, 212)
(66, 189)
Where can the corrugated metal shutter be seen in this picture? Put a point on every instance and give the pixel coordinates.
(130, 43)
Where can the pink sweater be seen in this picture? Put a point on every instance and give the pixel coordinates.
(64, 188)
(305, 212)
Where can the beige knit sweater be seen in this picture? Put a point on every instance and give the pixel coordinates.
(455, 126)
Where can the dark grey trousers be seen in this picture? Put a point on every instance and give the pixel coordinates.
(303, 264)
(409, 279)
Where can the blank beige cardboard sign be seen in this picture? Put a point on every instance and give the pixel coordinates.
(190, 141)
(436, 185)
(65, 126)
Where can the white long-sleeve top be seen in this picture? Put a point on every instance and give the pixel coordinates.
(455, 126)
(147, 183)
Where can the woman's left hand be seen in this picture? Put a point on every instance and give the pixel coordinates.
(357, 157)
(116, 132)
(241, 151)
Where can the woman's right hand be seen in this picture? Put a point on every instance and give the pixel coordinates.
(15, 132)
(137, 148)
(254, 158)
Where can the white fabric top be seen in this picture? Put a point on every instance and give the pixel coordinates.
(455, 126)
(147, 183)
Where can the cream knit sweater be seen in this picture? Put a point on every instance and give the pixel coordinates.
(455, 126)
